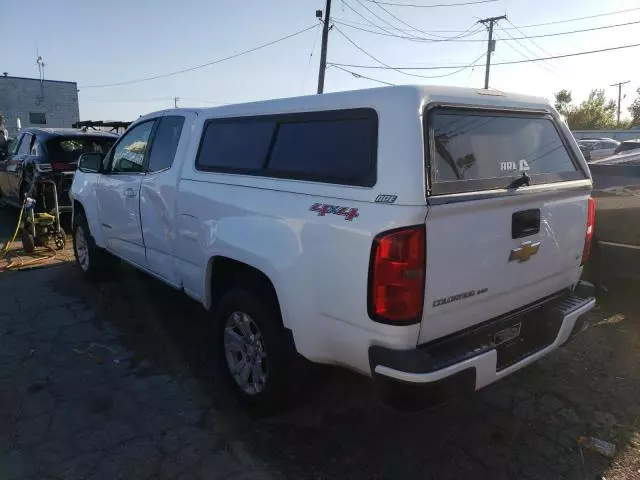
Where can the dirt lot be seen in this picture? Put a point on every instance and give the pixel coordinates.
(113, 380)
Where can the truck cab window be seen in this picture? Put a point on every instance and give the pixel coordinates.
(129, 153)
(165, 143)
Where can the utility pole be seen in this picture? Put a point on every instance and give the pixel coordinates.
(325, 40)
(175, 102)
(619, 85)
(491, 44)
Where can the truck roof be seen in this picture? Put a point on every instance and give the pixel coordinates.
(377, 97)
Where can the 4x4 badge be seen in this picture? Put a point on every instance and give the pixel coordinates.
(524, 252)
(323, 209)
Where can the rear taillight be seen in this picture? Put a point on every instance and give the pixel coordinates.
(396, 279)
(591, 220)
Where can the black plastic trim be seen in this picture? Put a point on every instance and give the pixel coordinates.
(525, 223)
(584, 186)
(409, 361)
(415, 396)
(421, 359)
(465, 186)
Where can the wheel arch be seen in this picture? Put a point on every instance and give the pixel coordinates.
(94, 227)
(223, 273)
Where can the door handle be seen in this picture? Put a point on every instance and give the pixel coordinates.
(129, 192)
(525, 223)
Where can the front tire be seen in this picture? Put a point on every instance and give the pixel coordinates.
(253, 349)
(94, 262)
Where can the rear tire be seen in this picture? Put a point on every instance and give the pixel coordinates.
(94, 262)
(254, 352)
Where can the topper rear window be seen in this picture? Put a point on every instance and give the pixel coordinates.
(472, 151)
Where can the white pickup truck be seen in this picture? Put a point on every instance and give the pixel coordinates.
(429, 237)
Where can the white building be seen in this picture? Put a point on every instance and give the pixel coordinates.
(38, 103)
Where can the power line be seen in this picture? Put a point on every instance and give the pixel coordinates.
(387, 33)
(313, 48)
(164, 75)
(434, 5)
(159, 99)
(357, 75)
(567, 20)
(205, 101)
(423, 31)
(346, 4)
(542, 65)
(512, 47)
(349, 21)
(127, 100)
(459, 68)
(524, 34)
(362, 49)
(603, 27)
(512, 62)
(472, 65)
(413, 38)
(376, 15)
(575, 19)
(512, 38)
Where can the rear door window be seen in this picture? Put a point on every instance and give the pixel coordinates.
(471, 151)
(238, 145)
(337, 147)
(165, 143)
(337, 151)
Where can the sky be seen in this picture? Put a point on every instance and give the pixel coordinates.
(98, 43)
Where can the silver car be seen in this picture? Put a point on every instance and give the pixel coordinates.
(598, 149)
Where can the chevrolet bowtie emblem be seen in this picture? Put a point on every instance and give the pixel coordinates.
(524, 251)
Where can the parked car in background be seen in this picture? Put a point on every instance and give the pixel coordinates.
(585, 147)
(616, 189)
(603, 148)
(315, 225)
(628, 145)
(595, 149)
(47, 152)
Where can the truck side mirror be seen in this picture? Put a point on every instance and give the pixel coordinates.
(91, 162)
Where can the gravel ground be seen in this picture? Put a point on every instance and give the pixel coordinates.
(114, 380)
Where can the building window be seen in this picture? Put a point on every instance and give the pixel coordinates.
(37, 118)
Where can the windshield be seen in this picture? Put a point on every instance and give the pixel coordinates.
(482, 150)
(69, 149)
